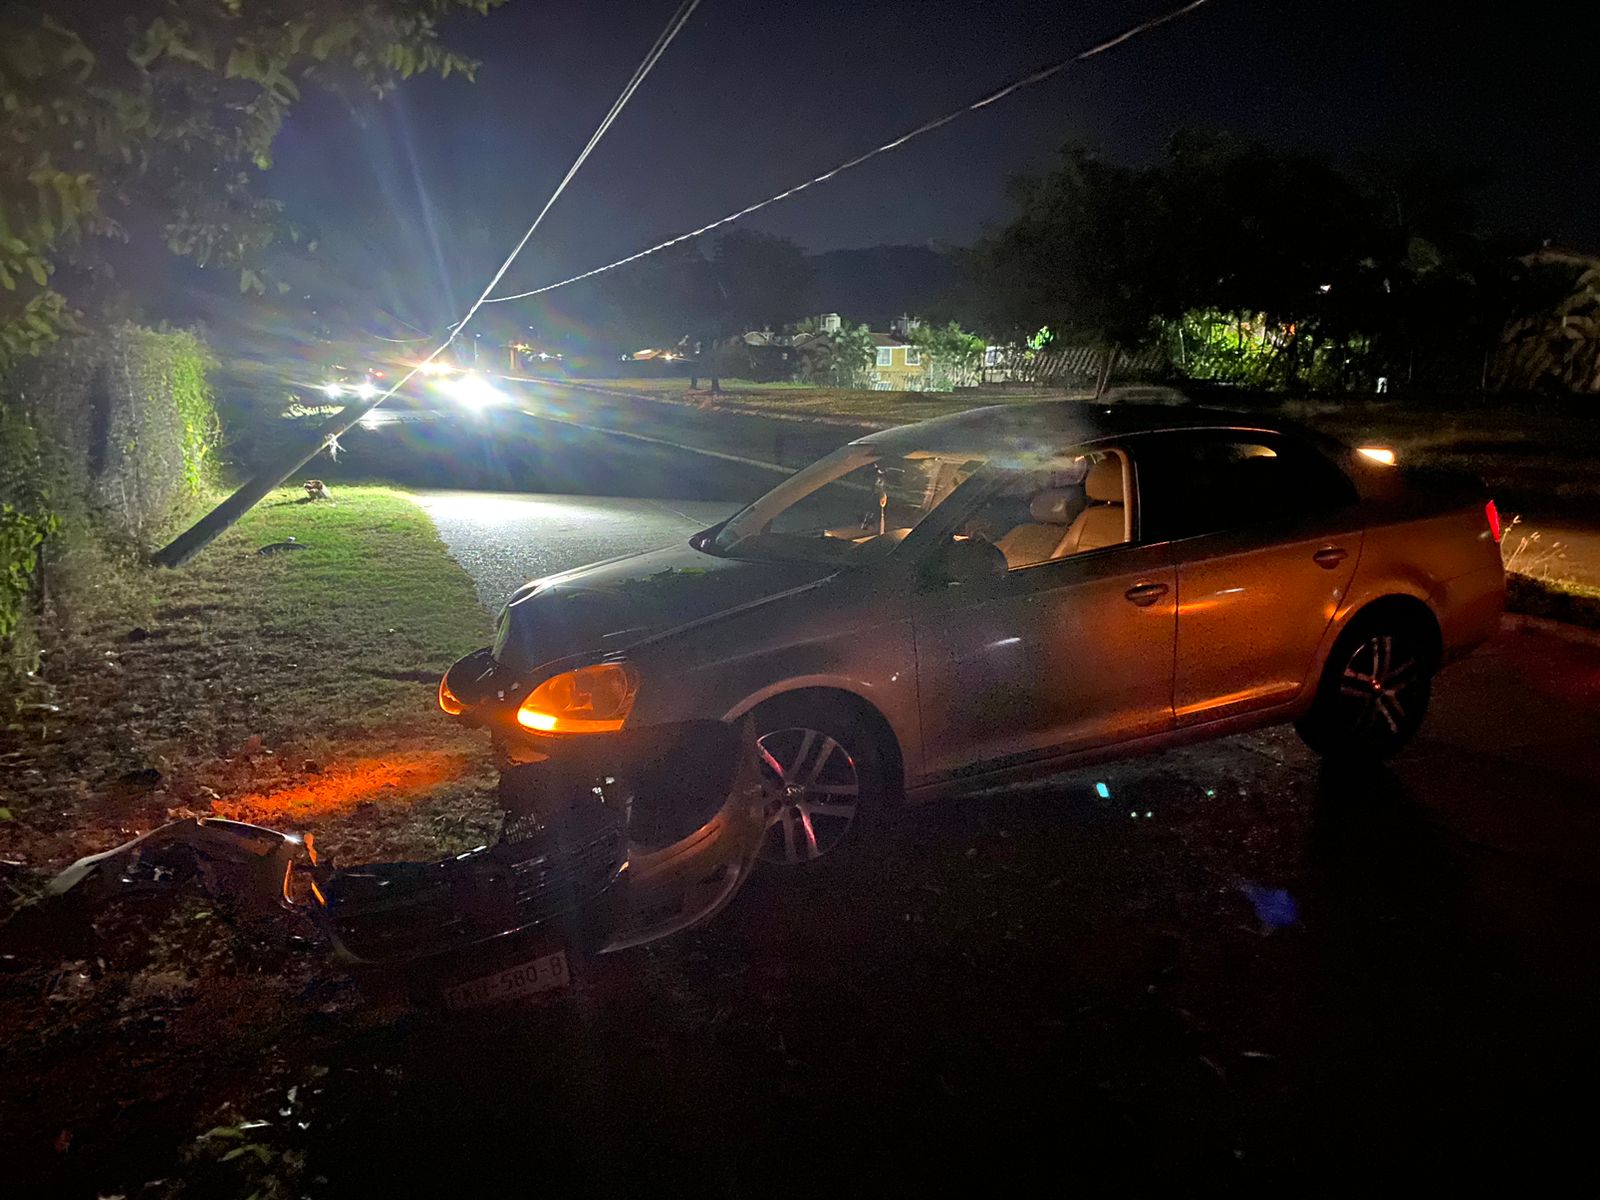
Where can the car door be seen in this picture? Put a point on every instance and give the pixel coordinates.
(1264, 537)
(1067, 653)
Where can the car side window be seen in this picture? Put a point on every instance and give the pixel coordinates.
(1193, 484)
(1040, 516)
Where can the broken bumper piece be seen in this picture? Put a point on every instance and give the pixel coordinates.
(612, 847)
(248, 865)
(651, 836)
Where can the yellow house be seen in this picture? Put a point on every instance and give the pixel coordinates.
(897, 365)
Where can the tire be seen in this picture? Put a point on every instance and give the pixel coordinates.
(824, 769)
(1374, 691)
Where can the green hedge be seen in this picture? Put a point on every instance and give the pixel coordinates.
(101, 436)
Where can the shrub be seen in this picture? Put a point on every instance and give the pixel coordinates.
(101, 436)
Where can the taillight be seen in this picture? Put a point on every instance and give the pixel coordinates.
(1493, 515)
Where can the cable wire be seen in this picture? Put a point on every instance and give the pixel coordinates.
(1036, 77)
(674, 25)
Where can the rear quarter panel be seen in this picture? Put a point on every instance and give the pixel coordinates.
(1428, 538)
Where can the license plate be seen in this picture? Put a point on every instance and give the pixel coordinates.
(544, 974)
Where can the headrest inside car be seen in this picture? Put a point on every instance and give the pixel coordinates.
(1104, 481)
(1054, 506)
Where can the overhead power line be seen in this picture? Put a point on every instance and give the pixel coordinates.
(678, 21)
(1036, 77)
(194, 539)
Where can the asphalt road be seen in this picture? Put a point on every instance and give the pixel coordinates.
(1233, 967)
(504, 539)
(550, 491)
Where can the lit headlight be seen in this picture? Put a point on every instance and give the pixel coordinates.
(473, 391)
(593, 699)
(1378, 454)
(366, 390)
(332, 391)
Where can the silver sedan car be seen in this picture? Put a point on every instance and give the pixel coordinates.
(1001, 593)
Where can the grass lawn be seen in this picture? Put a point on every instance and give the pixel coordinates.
(294, 689)
(1555, 600)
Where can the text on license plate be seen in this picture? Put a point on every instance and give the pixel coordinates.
(538, 975)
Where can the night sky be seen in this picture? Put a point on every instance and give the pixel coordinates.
(423, 194)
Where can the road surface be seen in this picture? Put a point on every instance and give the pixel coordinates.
(1218, 964)
(504, 539)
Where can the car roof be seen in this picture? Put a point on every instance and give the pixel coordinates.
(1040, 427)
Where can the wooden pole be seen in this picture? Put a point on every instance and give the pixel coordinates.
(209, 527)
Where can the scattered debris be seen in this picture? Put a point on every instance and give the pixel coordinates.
(272, 548)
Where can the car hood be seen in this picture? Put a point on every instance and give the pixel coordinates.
(613, 605)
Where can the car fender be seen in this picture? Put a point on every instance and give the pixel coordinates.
(1364, 592)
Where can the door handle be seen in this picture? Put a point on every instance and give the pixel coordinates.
(1330, 557)
(1146, 594)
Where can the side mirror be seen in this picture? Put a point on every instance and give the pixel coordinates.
(703, 539)
(965, 561)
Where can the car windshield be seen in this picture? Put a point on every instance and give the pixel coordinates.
(852, 507)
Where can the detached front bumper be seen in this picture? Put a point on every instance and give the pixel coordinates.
(622, 839)
(625, 839)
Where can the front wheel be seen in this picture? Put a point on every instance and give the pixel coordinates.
(1374, 692)
(824, 780)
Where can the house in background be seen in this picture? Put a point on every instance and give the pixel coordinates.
(897, 365)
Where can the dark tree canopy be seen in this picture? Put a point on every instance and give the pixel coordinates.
(761, 281)
(131, 119)
(749, 281)
(1366, 271)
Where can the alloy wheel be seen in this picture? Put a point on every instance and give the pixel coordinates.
(815, 792)
(1379, 686)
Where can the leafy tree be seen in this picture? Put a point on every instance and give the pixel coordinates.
(659, 300)
(951, 356)
(1255, 265)
(1088, 254)
(760, 281)
(129, 119)
(839, 359)
(750, 280)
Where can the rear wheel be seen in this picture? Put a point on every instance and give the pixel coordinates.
(1374, 691)
(824, 778)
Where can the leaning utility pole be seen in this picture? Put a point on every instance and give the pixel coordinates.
(207, 529)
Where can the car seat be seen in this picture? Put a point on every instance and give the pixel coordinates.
(1052, 511)
(1104, 521)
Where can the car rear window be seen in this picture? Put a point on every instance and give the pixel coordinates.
(1193, 484)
